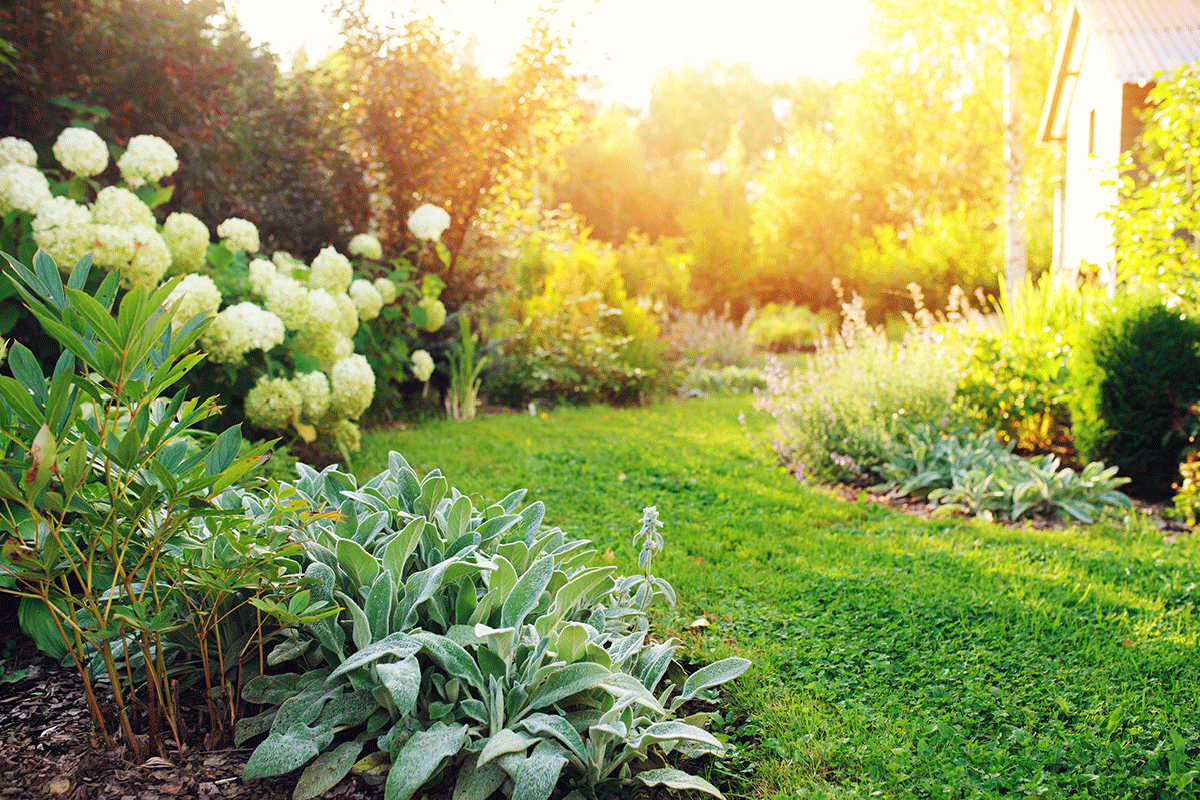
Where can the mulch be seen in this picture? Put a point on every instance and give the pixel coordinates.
(48, 747)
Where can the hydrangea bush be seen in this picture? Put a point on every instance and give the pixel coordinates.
(283, 338)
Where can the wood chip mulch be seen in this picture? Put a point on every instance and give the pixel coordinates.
(48, 748)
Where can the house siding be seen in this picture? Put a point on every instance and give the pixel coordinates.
(1096, 93)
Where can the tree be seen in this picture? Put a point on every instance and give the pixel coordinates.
(439, 131)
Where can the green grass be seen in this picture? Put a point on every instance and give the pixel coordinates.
(893, 656)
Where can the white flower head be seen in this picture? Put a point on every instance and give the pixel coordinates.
(367, 299)
(241, 328)
(428, 222)
(118, 206)
(81, 152)
(17, 151)
(262, 272)
(347, 315)
(239, 234)
(285, 262)
(187, 239)
(331, 271)
(194, 294)
(273, 404)
(288, 299)
(313, 388)
(23, 188)
(151, 258)
(148, 158)
(64, 229)
(422, 367)
(435, 313)
(323, 313)
(352, 384)
(341, 435)
(367, 246)
(386, 289)
(114, 247)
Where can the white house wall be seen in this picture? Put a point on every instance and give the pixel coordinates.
(1098, 92)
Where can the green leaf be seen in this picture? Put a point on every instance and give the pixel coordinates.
(569, 680)
(537, 776)
(357, 561)
(398, 645)
(223, 451)
(402, 679)
(671, 730)
(397, 551)
(713, 675)
(28, 372)
(327, 771)
(286, 751)
(677, 779)
(505, 741)
(478, 784)
(525, 595)
(420, 757)
(557, 727)
(378, 607)
(451, 657)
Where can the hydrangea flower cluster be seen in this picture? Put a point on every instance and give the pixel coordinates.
(314, 311)
(187, 239)
(23, 188)
(422, 368)
(428, 222)
(239, 234)
(435, 313)
(147, 159)
(17, 151)
(367, 246)
(81, 152)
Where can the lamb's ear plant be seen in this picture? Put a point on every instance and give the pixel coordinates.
(108, 496)
(475, 644)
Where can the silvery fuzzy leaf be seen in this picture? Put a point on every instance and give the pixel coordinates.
(536, 778)
(503, 742)
(421, 756)
(714, 675)
(677, 779)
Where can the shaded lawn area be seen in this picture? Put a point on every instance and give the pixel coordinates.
(893, 656)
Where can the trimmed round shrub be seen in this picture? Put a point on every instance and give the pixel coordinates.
(1136, 374)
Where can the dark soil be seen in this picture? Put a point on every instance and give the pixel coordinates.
(48, 747)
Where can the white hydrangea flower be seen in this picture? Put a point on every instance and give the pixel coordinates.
(241, 328)
(113, 247)
(151, 258)
(22, 187)
(435, 313)
(347, 323)
(148, 158)
(81, 152)
(285, 262)
(428, 222)
(118, 206)
(367, 246)
(352, 384)
(323, 313)
(194, 294)
(313, 388)
(331, 271)
(273, 404)
(328, 347)
(339, 435)
(386, 289)
(17, 151)
(64, 229)
(288, 299)
(187, 239)
(262, 272)
(367, 299)
(239, 234)
(422, 367)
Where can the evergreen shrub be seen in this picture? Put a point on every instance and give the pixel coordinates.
(1135, 375)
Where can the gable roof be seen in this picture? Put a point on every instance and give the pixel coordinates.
(1138, 38)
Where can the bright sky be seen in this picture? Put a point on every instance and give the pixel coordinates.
(623, 42)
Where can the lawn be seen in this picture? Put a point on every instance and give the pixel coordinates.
(893, 656)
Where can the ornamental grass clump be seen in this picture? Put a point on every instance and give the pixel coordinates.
(838, 418)
(475, 651)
